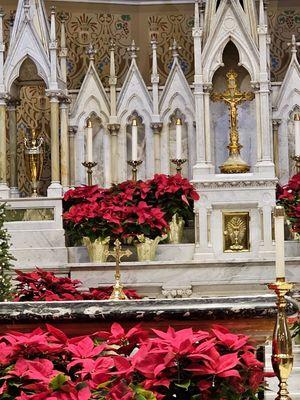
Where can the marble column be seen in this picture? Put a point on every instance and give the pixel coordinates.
(55, 188)
(207, 90)
(12, 122)
(4, 190)
(72, 154)
(114, 130)
(64, 144)
(157, 127)
(275, 124)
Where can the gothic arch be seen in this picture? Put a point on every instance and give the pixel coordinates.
(214, 59)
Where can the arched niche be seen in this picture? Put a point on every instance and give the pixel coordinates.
(220, 120)
(141, 144)
(33, 112)
(101, 156)
(172, 142)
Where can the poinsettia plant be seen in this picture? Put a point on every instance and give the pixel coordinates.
(174, 195)
(41, 285)
(132, 365)
(128, 209)
(289, 197)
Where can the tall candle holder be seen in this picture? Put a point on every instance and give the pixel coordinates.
(179, 163)
(282, 350)
(117, 254)
(89, 169)
(134, 168)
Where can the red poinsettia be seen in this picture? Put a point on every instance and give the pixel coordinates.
(41, 285)
(128, 365)
(289, 197)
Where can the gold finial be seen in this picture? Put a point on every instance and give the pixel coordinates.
(134, 122)
(89, 123)
(178, 121)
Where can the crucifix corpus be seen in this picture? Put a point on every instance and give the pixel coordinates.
(233, 97)
(117, 254)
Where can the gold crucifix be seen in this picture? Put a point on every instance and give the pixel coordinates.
(117, 254)
(233, 97)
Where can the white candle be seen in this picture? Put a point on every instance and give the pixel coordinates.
(279, 241)
(89, 142)
(297, 134)
(134, 140)
(178, 138)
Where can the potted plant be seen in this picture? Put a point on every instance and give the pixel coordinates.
(175, 196)
(95, 223)
(289, 197)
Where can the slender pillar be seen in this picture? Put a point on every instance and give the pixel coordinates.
(258, 123)
(55, 188)
(63, 48)
(206, 116)
(157, 127)
(12, 122)
(114, 130)
(72, 154)
(4, 190)
(64, 144)
(276, 123)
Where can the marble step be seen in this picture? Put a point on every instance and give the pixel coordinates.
(170, 252)
(40, 257)
(192, 278)
(27, 239)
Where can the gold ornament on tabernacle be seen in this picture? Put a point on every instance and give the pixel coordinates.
(232, 97)
(236, 231)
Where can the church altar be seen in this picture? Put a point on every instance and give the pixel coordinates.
(125, 92)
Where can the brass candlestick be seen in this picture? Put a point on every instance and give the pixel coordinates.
(179, 163)
(34, 160)
(297, 163)
(282, 350)
(134, 168)
(117, 254)
(232, 97)
(89, 166)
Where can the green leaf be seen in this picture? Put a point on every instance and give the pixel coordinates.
(143, 394)
(184, 385)
(58, 381)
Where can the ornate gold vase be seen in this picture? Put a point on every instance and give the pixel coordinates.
(146, 250)
(97, 250)
(34, 160)
(175, 234)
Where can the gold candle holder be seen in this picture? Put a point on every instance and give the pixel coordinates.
(134, 168)
(282, 350)
(117, 254)
(89, 167)
(179, 163)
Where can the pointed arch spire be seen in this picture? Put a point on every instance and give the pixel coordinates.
(174, 49)
(132, 50)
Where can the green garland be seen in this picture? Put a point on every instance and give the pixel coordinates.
(5, 259)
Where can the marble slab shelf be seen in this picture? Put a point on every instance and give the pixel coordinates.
(252, 315)
(144, 309)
